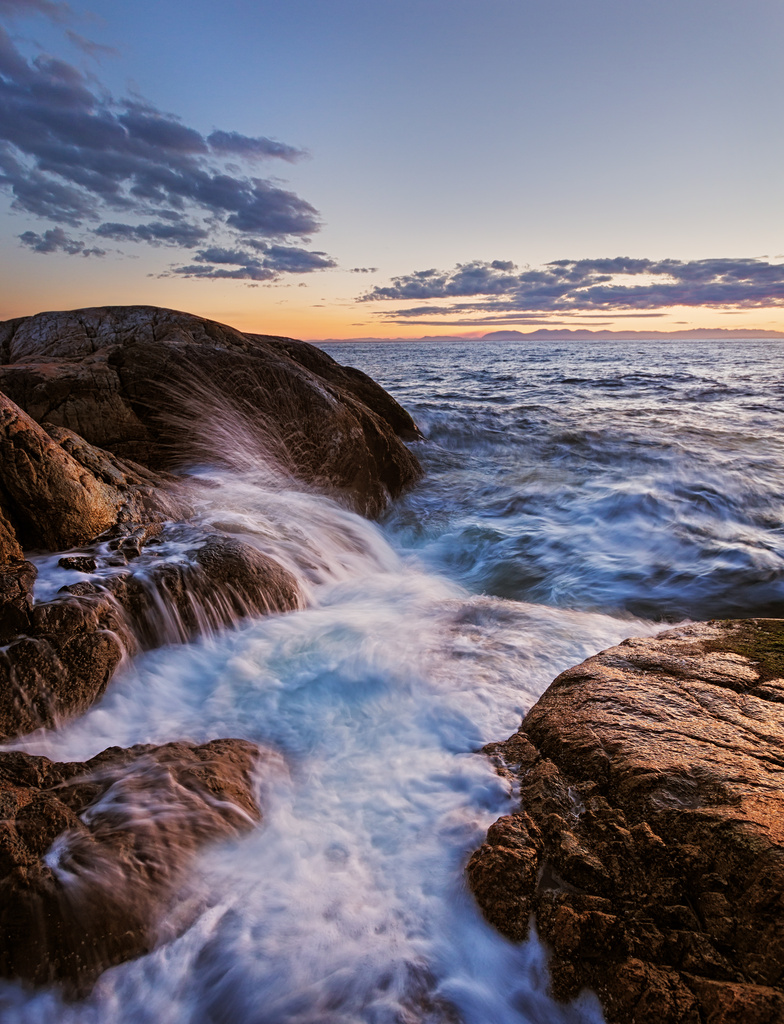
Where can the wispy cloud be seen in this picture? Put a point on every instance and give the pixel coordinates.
(88, 47)
(124, 170)
(578, 285)
(56, 240)
(58, 12)
(234, 144)
(265, 264)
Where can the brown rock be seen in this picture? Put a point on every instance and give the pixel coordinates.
(55, 503)
(57, 658)
(10, 548)
(16, 598)
(169, 602)
(61, 658)
(58, 491)
(144, 498)
(44, 680)
(130, 378)
(650, 841)
(92, 854)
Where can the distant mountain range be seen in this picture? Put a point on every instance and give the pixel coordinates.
(545, 333)
(582, 334)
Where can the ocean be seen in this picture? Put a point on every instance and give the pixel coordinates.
(575, 494)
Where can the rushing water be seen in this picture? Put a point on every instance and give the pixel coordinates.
(575, 495)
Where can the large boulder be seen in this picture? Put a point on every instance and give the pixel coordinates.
(649, 843)
(158, 387)
(92, 853)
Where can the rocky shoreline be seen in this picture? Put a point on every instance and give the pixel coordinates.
(648, 847)
(98, 409)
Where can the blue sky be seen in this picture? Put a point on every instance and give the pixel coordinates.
(416, 137)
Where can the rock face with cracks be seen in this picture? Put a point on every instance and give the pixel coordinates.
(126, 378)
(649, 843)
(91, 854)
(57, 491)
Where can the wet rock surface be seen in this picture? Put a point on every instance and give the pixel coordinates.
(91, 854)
(125, 378)
(58, 491)
(59, 655)
(649, 843)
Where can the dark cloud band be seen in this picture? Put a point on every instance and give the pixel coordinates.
(580, 285)
(56, 240)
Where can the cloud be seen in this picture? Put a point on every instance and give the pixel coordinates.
(265, 264)
(58, 12)
(363, 270)
(88, 47)
(581, 285)
(72, 155)
(56, 240)
(155, 233)
(235, 144)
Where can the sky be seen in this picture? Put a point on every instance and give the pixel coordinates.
(396, 168)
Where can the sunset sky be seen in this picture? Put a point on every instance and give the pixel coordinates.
(396, 168)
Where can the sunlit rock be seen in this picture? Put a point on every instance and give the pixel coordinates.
(649, 845)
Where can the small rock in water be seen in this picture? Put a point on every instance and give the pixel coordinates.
(92, 853)
(81, 563)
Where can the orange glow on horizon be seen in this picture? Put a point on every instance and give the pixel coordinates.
(291, 312)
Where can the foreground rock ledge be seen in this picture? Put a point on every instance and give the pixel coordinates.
(92, 853)
(649, 845)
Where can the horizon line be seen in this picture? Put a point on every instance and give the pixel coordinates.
(577, 334)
